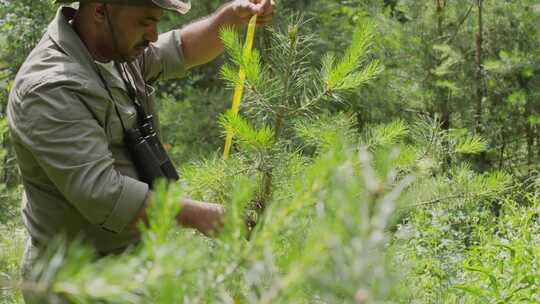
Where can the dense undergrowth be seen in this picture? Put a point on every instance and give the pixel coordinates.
(320, 209)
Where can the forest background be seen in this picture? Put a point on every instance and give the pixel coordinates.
(422, 174)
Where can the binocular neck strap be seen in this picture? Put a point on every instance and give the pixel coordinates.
(131, 90)
(121, 69)
(112, 98)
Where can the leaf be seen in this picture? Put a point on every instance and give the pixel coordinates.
(493, 280)
(507, 247)
(517, 98)
(534, 119)
(470, 289)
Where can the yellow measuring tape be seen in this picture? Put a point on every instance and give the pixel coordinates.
(239, 89)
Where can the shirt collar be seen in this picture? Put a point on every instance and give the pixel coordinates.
(63, 34)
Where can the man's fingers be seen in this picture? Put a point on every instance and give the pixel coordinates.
(253, 8)
(264, 7)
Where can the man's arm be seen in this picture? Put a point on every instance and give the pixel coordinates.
(200, 40)
(205, 217)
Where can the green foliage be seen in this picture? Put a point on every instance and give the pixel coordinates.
(324, 130)
(12, 242)
(188, 127)
(258, 139)
(234, 47)
(287, 259)
(471, 145)
(386, 134)
(504, 268)
(368, 175)
(345, 74)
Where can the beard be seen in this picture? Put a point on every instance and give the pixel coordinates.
(134, 52)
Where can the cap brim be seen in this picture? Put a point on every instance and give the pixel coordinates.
(178, 6)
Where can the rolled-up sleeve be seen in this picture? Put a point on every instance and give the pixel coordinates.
(164, 59)
(72, 149)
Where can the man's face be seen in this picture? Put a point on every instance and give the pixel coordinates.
(135, 27)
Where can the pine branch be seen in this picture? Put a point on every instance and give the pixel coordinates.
(461, 195)
(461, 22)
(310, 103)
(261, 99)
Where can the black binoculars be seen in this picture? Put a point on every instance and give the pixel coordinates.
(147, 152)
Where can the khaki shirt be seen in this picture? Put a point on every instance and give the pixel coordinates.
(78, 177)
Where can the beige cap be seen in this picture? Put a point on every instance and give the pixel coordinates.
(178, 6)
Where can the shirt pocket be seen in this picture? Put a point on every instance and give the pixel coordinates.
(124, 112)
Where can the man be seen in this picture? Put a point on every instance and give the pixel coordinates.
(83, 85)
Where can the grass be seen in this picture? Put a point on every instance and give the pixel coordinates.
(12, 240)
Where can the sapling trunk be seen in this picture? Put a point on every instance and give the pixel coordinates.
(267, 171)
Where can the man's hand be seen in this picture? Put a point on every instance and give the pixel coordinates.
(200, 40)
(205, 217)
(244, 9)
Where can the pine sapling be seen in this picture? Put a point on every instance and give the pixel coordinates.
(285, 88)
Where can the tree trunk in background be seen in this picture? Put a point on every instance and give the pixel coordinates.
(442, 94)
(479, 77)
(480, 90)
(524, 85)
(529, 131)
